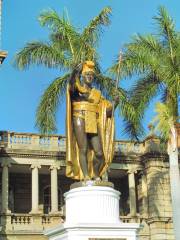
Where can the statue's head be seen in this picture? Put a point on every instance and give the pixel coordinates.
(88, 72)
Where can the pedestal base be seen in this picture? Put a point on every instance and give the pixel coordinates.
(92, 213)
(121, 231)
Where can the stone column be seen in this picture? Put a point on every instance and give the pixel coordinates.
(5, 186)
(132, 192)
(54, 188)
(35, 188)
(145, 194)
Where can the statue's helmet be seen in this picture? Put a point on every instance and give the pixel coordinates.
(88, 66)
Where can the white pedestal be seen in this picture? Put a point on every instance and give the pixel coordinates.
(92, 204)
(92, 212)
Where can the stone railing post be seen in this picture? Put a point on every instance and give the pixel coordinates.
(54, 142)
(35, 140)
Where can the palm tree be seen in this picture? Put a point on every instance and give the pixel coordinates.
(166, 124)
(66, 49)
(155, 59)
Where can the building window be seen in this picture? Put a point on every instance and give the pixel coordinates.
(47, 199)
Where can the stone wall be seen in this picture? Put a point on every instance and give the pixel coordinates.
(159, 198)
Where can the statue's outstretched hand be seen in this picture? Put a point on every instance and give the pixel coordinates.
(76, 73)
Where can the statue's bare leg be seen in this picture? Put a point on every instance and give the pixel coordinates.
(81, 138)
(98, 151)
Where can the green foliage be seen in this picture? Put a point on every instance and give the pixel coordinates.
(46, 111)
(155, 59)
(93, 31)
(163, 120)
(38, 53)
(66, 49)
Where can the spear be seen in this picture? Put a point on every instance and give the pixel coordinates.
(117, 80)
(113, 105)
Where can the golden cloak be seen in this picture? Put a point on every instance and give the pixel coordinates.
(106, 125)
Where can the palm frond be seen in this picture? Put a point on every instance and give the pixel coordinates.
(140, 56)
(90, 37)
(40, 53)
(105, 84)
(167, 32)
(163, 120)
(144, 90)
(164, 95)
(92, 32)
(133, 129)
(84, 51)
(165, 24)
(133, 111)
(131, 115)
(61, 27)
(55, 22)
(46, 111)
(148, 42)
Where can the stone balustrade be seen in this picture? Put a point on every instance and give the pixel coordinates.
(21, 219)
(129, 147)
(49, 219)
(34, 141)
(129, 219)
(15, 221)
(46, 219)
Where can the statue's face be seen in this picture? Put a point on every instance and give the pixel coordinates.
(88, 77)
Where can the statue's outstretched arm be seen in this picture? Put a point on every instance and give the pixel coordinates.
(74, 81)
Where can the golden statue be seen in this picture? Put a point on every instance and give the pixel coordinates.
(89, 128)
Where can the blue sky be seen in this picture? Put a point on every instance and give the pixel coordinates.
(21, 90)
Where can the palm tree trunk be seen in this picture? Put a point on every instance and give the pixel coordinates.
(174, 180)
